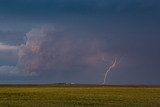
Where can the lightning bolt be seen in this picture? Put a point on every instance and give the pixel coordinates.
(109, 69)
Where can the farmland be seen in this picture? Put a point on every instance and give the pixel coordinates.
(79, 96)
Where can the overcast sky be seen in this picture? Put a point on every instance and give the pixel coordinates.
(48, 41)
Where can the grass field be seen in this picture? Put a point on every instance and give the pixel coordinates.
(78, 96)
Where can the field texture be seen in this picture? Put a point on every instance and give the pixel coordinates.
(78, 96)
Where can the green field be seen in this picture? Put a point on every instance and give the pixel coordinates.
(79, 96)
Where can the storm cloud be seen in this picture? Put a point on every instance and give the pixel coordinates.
(48, 50)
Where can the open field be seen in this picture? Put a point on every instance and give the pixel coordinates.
(79, 96)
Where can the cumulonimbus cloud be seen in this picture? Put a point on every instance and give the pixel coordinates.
(48, 50)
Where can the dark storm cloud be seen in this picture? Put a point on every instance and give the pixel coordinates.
(77, 6)
(50, 52)
(47, 50)
(61, 56)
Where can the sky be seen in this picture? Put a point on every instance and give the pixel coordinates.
(76, 41)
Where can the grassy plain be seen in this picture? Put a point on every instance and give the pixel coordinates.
(79, 96)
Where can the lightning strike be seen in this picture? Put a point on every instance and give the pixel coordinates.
(109, 69)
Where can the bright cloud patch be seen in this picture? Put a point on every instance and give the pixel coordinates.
(5, 47)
